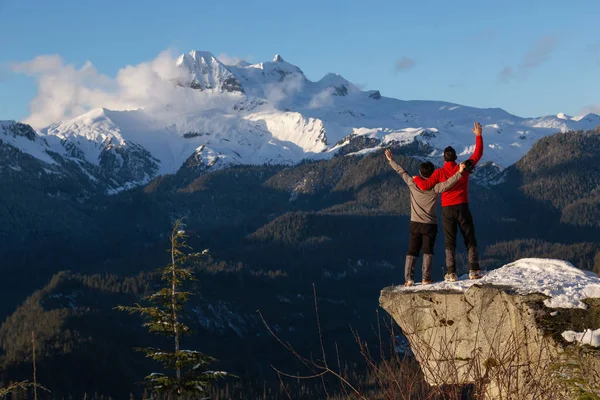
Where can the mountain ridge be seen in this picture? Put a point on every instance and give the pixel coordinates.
(270, 112)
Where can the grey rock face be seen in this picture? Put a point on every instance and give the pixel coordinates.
(509, 345)
(19, 129)
(488, 174)
(340, 90)
(232, 85)
(356, 143)
(125, 164)
(375, 94)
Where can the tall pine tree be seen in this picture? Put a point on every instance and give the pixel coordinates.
(190, 375)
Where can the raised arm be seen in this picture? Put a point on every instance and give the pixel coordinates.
(478, 153)
(398, 168)
(442, 187)
(426, 184)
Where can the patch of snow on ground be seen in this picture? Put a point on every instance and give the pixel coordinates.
(587, 337)
(407, 135)
(565, 285)
(363, 152)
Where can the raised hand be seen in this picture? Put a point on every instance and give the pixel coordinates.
(388, 154)
(477, 129)
(462, 167)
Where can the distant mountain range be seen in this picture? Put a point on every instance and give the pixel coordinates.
(251, 114)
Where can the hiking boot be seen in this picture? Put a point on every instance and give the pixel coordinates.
(475, 274)
(409, 283)
(450, 278)
(427, 268)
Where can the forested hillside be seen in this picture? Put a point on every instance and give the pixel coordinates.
(272, 232)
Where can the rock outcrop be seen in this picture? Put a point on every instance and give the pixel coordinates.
(506, 332)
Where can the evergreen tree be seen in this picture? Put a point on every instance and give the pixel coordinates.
(163, 315)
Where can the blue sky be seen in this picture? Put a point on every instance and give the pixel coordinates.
(529, 57)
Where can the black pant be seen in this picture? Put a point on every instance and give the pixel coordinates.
(421, 236)
(459, 216)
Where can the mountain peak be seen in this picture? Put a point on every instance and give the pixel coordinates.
(587, 117)
(339, 83)
(277, 58)
(334, 79)
(200, 54)
(198, 60)
(206, 72)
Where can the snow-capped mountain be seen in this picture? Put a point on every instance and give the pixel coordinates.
(22, 137)
(25, 156)
(271, 112)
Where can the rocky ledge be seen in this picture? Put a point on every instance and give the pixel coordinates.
(528, 330)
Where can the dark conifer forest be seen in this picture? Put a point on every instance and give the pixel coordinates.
(272, 233)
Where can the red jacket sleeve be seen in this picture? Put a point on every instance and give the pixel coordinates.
(478, 150)
(433, 180)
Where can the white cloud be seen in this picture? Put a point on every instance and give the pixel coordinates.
(66, 91)
(322, 99)
(63, 90)
(232, 60)
(404, 64)
(539, 52)
(507, 74)
(40, 64)
(594, 108)
(536, 55)
(276, 92)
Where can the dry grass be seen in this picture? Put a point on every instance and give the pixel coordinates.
(500, 366)
(24, 386)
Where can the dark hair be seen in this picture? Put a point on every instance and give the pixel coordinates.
(450, 154)
(469, 166)
(426, 169)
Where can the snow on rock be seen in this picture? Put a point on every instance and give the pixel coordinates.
(26, 140)
(501, 319)
(565, 285)
(308, 133)
(207, 73)
(592, 118)
(588, 337)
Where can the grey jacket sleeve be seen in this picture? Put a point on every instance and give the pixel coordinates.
(402, 172)
(442, 187)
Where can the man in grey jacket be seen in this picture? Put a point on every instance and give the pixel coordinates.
(423, 218)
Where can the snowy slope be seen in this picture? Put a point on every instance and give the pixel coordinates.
(271, 113)
(565, 285)
(25, 139)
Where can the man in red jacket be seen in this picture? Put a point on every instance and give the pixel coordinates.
(455, 207)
